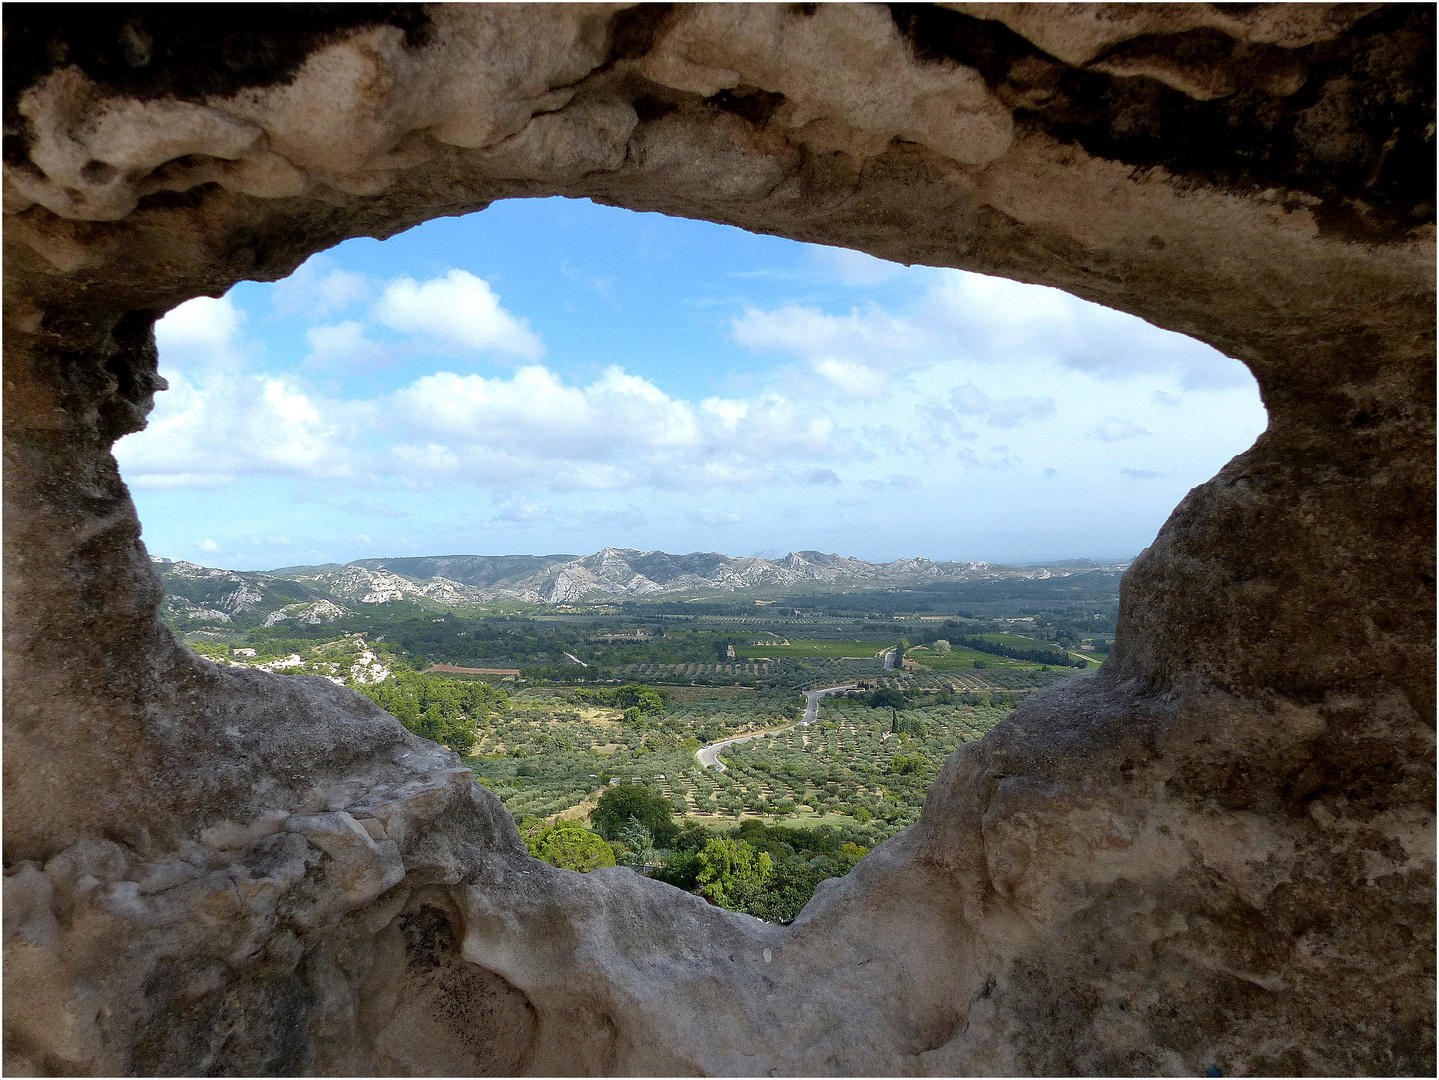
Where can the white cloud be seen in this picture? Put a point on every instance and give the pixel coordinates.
(532, 430)
(990, 322)
(997, 319)
(203, 332)
(344, 348)
(1141, 474)
(318, 289)
(205, 433)
(851, 379)
(620, 431)
(808, 332)
(852, 355)
(459, 310)
(209, 546)
(1113, 429)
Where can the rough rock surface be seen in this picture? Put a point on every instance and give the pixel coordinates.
(1218, 853)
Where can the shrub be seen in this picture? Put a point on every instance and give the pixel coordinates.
(571, 848)
(903, 765)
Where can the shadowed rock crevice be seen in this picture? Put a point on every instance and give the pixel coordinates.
(1216, 853)
(1255, 118)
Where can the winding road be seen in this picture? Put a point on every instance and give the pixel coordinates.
(708, 756)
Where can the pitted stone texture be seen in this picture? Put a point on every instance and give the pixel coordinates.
(1217, 853)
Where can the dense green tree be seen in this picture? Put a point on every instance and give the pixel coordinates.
(886, 698)
(681, 869)
(571, 847)
(624, 801)
(787, 890)
(691, 837)
(732, 871)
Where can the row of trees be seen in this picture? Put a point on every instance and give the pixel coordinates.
(1053, 657)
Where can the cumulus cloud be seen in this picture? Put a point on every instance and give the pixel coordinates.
(845, 396)
(808, 332)
(998, 319)
(318, 289)
(205, 433)
(619, 431)
(201, 333)
(991, 322)
(344, 348)
(1113, 429)
(459, 310)
(851, 378)
(531, 430)
(852, 355)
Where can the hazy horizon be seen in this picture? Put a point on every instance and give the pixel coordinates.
(763, 554)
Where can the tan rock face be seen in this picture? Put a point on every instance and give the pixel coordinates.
(1218, 853)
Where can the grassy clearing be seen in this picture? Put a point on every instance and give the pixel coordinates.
(960, 657)
(1016, 639)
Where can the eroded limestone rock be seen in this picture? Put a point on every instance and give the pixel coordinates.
(1216, 853)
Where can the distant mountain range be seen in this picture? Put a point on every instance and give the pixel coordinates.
(313, 594)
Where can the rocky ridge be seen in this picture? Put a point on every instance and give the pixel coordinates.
(200, 592)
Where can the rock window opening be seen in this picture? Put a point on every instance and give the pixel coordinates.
(1149, 869)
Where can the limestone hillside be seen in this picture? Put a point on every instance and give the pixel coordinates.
(315, 594)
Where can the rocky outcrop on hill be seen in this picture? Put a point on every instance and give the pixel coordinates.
(560, 579)
(1214, 856)
(627, 572)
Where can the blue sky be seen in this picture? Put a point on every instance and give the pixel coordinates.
(556, 376)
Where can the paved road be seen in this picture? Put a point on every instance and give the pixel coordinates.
(889, 659)
(708, 756)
